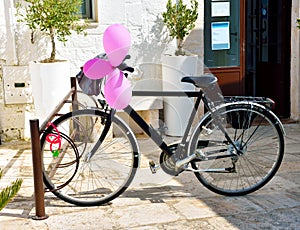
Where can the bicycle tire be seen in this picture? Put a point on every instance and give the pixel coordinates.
(104, 176)
(259, 135)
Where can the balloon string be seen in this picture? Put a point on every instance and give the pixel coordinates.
(54, 139)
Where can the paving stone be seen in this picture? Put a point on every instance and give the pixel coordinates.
(147, 214)
(177, 203)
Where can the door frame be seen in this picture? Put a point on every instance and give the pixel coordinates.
(232, 79)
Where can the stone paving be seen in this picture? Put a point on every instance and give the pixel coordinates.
(159, 202)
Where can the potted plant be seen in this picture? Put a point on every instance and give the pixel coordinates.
(56, 20)
(8, 193)
(180, 21)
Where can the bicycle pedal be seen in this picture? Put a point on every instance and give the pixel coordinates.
(207, 131)
(153, 167)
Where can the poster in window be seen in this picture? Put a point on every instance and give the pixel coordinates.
(220, 9)
(220, 35)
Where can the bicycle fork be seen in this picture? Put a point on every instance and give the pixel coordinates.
(107, 123)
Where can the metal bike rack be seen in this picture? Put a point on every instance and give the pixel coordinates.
(35, 132)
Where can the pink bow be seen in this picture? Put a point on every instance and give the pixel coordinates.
(117, 90)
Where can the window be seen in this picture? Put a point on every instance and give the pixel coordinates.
(222, 33)
(87, 9)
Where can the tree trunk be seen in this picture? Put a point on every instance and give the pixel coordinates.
(53, 52)
(179, 50)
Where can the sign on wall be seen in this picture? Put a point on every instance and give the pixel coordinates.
(220, 35)
(220, 9)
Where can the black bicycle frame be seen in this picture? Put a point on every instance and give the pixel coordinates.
(150, 131)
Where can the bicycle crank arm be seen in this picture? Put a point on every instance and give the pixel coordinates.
(179, 164)
(198, 154)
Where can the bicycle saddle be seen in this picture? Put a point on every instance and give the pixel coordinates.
(202, 81)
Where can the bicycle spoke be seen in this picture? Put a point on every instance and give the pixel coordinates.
(259, 141)
(103, 176)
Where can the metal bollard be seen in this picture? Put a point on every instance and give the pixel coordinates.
(37, 171)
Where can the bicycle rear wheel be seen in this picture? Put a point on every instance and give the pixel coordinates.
(104, 171)
(259, 137)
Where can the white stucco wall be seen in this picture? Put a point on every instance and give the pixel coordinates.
(295, 64)
(144, 21)
(12, 117)
(149, 41)
(2, 34)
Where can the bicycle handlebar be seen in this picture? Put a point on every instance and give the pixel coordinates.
(124, 67)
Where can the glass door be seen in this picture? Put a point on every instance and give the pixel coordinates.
(222, 34)
(223, 43)
(268, 51)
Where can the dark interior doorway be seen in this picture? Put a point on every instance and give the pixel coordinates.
(268, 44)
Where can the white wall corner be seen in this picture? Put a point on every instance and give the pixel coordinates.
(9, 18)
(295, 66)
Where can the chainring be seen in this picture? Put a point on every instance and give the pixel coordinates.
(167, 163)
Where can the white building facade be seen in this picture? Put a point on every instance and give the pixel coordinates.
(143, 18)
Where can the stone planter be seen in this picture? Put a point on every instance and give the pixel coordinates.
(177, 109)
(50, 84)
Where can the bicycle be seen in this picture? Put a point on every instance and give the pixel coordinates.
(235, 149)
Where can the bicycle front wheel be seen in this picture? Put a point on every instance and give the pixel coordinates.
(249, 162)
(95, 160)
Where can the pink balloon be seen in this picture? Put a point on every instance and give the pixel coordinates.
(97, 68)
(117, 90)
(116, 42)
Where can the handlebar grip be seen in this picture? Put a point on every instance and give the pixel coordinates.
(127, 57)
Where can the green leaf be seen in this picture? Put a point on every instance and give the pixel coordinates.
(9, 192)
(52, 16)
(180, 19)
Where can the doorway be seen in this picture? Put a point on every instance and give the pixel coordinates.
(253, 58)
(224, 36)
(268, 43)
